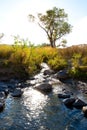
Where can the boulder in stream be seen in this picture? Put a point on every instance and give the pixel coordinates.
(69, 101)
(79, 103)
(44, 88)
(62, 75)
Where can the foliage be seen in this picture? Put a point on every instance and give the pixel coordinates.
(79, 72)
(5, 51)
(57, 63)
(25, 61)
(20, 42)
(54, 23)
(76, 60)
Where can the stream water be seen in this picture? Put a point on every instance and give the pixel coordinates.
(36, 111)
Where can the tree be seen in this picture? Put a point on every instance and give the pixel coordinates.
(54, 23)
(1, 35)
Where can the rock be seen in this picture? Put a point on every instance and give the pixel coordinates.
(79, 103)
(62, 74)
(69, 81)
(84, 109)
(69, 102)
(2, 105)
(2, 95)
(17, 92)
(61, 95)
(67, 92)
(48, 72)
(44, 88)
(6, 91)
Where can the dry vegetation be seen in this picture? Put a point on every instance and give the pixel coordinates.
(22, 62)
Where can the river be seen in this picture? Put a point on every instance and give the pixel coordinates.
(36, 111)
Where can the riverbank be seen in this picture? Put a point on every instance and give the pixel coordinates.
(24, 62)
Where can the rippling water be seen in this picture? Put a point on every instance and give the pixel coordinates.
(35, 111)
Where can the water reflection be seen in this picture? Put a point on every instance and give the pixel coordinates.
(34, 102)
(36, 111)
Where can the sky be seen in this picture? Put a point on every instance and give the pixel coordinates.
(14, 20)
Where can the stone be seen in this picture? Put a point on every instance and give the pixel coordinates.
(61, 95)
(69, 102)
(84, 110)
(2, 105)
(44, 88)
(17, 92)
(48, 72)
(62, 74)
(79, 103)
(2, 95)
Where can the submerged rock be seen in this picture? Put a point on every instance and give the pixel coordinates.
(17, 92)
(60, 95)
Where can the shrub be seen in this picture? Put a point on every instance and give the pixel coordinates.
(57, 63)
(84, 60)
(5, 51)
(79, 72)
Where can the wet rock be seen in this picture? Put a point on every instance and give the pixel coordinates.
(69, 81)
(69, 102)
(2, 95)
(62, 74)
(44, 87)
(48, 72)
(67, 92)
(2, 105)
(79, 103)
(84, 109)
(6, 91)
(17, 92)
(2, 102)
(61, 95)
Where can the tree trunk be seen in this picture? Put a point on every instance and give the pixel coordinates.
(52, 43)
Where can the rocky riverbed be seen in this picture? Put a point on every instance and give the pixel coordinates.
(71, 93)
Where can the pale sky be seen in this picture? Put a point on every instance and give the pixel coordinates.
(14, 20)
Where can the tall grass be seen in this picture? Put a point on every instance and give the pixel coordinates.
(25, 61)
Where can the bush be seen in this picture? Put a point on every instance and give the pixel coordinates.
(79, 72)
(5, 51)
(57, 63)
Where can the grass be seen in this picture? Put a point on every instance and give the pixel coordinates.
(25, 61)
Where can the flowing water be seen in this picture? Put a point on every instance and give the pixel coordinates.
(35, 111)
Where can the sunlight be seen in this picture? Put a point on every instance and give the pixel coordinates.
(34, 101)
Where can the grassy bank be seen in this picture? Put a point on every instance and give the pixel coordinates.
(24, 61)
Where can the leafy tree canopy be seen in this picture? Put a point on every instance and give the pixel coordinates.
(54, 23)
